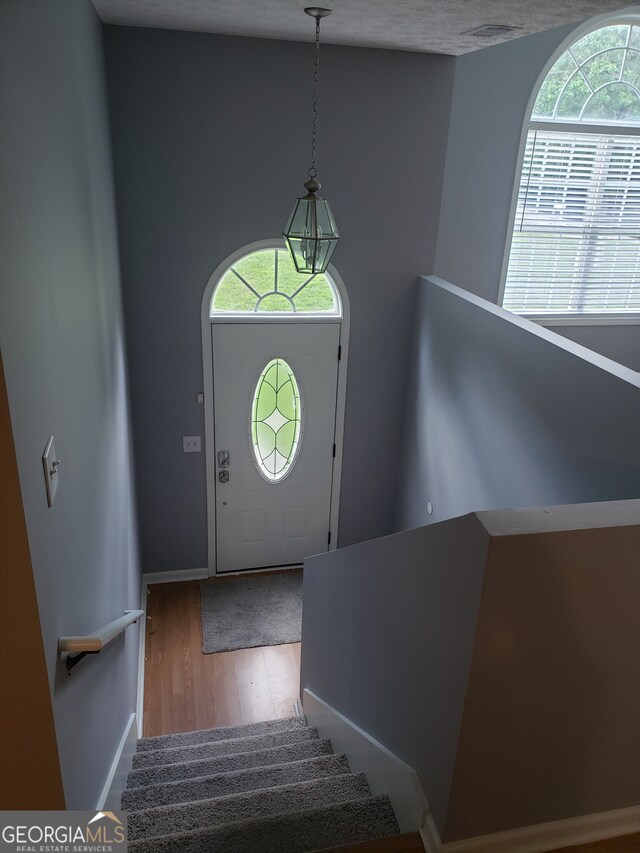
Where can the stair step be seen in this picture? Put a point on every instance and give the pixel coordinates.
(223, 784)
(310, 829)
(228, 763)
(194, 752)
(225, 733)
(186, 817)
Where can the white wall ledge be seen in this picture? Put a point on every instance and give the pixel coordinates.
(582, 352)
(554, 519)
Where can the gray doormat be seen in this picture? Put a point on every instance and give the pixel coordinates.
(245, 612)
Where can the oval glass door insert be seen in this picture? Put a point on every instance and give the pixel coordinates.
(276, 421)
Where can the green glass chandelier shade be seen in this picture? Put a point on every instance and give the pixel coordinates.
(311, 233)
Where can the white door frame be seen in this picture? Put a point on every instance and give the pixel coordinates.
(207, 365)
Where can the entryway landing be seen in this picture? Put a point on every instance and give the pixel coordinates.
(186, 690)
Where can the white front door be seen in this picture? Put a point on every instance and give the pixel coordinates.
(275, 390)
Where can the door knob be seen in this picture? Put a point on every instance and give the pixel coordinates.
(223, 476)
(223, 459)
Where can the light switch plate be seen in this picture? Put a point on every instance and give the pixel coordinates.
(191, 444)
(51, 463)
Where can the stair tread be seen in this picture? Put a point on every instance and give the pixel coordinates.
(186, 817)
(304, 830)
(211, 749)
(222, 733)
(222, 784)
(296, 751)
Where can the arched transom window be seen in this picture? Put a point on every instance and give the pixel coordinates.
(575, 244)
(266, 282)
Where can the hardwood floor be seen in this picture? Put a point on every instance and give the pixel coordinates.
(622, 844)
(186, 690)
(407, 843)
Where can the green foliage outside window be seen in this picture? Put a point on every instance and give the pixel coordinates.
(596, 80)
(267, 281)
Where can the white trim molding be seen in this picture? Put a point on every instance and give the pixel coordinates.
(175, 576)
(550, 836)
(385, 772)
(120, 766)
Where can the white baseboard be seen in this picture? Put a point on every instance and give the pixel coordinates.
(176, 576)
(550, 836)
(429, 835)
(385, 772)
(120, 767)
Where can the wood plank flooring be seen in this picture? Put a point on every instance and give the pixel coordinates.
(621, 844)
(185, 690)
(409, 842)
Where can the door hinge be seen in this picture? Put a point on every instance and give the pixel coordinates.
(339, 352)
(329, 538)
(334, 451)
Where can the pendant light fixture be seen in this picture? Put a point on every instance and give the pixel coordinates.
(311, 233)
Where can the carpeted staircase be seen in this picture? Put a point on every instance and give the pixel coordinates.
(272, 787)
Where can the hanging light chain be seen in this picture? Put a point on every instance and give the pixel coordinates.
(314, 133)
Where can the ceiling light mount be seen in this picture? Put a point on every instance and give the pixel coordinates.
(311, 233)
(317, 11)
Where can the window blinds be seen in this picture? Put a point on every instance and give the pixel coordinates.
(576, 239)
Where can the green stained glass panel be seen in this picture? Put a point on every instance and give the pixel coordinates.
(266, 402)
(276, 421)
(265, 438)
(285, 438)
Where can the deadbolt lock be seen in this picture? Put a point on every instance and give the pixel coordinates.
(223, 476)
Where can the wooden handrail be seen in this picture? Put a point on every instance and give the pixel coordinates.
(95, 642)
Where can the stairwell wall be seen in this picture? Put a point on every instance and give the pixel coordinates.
(62, 339)
(503, 413)
(387, 639)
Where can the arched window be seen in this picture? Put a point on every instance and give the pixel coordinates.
(575, 244)
(266, 282)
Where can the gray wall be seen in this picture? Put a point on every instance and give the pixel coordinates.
(387, 639)
(491, 91)
(211, 142)
(550, 726)
(491, 653)
(63, 348)
(503, 413)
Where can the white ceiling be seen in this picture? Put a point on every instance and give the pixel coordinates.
(432, 26)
